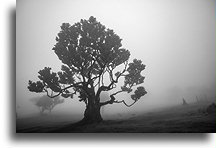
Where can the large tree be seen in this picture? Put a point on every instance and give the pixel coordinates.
(93, 61)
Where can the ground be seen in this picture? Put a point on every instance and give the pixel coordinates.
(191, 118)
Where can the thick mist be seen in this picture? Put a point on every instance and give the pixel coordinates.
(174, 39)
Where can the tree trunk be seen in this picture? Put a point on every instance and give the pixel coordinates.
(92, 113)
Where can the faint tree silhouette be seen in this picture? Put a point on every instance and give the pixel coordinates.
(184, 102)
(46, 103)
(93, 61)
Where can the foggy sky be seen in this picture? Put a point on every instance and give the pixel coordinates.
(175, 39)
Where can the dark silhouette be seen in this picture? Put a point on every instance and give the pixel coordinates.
(46, 103)
(211, 109)
(184, 102)
(91, 54)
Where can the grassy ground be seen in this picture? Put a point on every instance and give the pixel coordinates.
(178, 119)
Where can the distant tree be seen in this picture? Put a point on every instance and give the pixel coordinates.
(47, 103)
(93, 62)
(184, 102)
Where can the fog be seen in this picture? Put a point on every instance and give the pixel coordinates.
(175, 39)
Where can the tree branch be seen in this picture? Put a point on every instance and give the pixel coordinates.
(109, 101)
(117, 92)
(51, 96)
(125, 103)
(62, 90)
(113, 100)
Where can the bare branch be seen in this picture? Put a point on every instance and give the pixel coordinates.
(117, 92)
(62, 90)
(125, 103)
(109, 101)
(51, 96)
(102, 78)
(113, 100)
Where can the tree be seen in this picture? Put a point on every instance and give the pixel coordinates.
(93, 61)
(46, 103)
(184, 102)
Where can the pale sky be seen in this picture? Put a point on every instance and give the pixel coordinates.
(175, 39)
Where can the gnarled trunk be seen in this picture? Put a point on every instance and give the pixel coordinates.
(92, 112)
